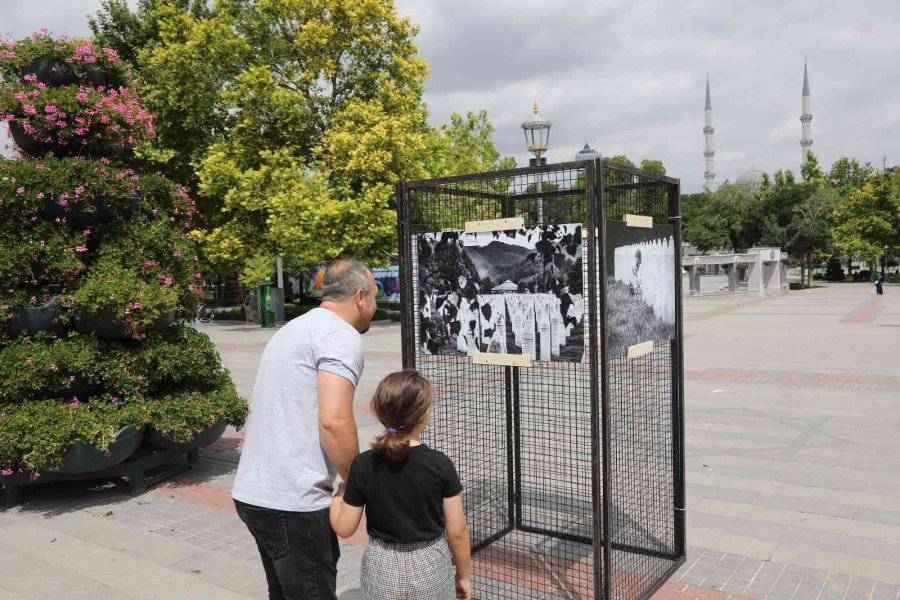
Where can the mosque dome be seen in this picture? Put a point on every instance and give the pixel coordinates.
(587, 153)
(752, 179)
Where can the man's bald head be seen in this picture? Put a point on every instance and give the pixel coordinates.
(345, 277)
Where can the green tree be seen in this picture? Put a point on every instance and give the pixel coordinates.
(848, 175)
(312, 111)
(725, 218)
(465, 144)
(654, 166)
(845, 177)
(809, 232)
(184, 58)
(869, 218)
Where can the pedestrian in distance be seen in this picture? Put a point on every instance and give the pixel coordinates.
(412, 499)
(301, 434)
(879, 284)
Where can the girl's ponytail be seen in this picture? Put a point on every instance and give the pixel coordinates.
(401, 402)
(391, 446)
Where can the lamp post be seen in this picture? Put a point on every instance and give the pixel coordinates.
(537, 138)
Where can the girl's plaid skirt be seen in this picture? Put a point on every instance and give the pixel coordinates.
(419, 571)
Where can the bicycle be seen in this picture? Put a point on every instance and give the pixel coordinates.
(205, 314)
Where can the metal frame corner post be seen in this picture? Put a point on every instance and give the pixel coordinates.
(407, 319)
(599, 408)
(678, 459)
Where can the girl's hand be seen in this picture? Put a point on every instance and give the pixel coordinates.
(463, 588)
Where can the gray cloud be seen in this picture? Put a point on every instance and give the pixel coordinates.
(628, 77)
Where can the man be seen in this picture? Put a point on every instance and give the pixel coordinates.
(301, 433)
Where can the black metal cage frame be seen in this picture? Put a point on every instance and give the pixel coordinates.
(574, 473)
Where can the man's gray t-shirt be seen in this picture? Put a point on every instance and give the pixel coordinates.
(283, 465)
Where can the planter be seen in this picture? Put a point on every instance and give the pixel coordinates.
(44, 318)
(82, 216)
(104, 325)
(50, 71)
(98, 78)
(14, 326)
(36, 148)
(80, 388)
(85, 458)
(77, 216)
(205, 437)
(32, 146)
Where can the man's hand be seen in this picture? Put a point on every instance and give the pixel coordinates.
(337, 427)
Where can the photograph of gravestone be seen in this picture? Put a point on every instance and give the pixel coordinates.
(518, 291)
(640, 270)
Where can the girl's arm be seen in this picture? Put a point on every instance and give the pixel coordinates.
(344, 518)
(458, 538)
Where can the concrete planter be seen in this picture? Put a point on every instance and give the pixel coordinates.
(86, 458)
(205, 437)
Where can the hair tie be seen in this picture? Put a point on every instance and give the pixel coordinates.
(391, 430)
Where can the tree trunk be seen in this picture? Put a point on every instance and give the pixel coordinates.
(801, 272)
(809, 268)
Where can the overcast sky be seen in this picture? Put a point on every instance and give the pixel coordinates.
(628, 77)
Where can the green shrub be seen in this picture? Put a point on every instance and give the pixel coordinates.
(35, 435)
(181, 415)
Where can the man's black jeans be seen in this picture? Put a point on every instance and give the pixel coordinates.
(299, 551)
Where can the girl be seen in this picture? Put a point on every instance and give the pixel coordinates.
(411, 495)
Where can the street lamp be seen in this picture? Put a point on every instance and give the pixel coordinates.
(537, 138)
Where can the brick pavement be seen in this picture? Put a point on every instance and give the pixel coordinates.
(793, 476)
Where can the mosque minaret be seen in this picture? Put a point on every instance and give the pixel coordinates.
(806, 119)
(709, 153)
(754, 177)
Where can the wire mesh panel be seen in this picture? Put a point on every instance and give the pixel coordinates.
(642, 394)
(527, 440)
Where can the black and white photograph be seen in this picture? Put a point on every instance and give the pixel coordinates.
(640, 270)
(518, 291)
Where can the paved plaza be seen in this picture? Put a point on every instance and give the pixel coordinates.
(793, 471)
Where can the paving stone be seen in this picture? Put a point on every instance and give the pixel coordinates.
(781, 443)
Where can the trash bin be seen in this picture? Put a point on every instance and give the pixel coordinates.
(266, 312)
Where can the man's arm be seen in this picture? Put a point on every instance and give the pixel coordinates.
(337, 427)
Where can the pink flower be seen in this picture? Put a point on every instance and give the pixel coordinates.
(87, 232)
(6, 472)
(136, 305)
(80, 248)
(20, 190)
(79, 191)
(74, 402)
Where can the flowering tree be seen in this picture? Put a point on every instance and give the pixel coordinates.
(97, 264)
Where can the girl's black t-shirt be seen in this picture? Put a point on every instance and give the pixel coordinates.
(403, 499)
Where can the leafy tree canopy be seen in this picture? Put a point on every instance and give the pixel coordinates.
(294, 119)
